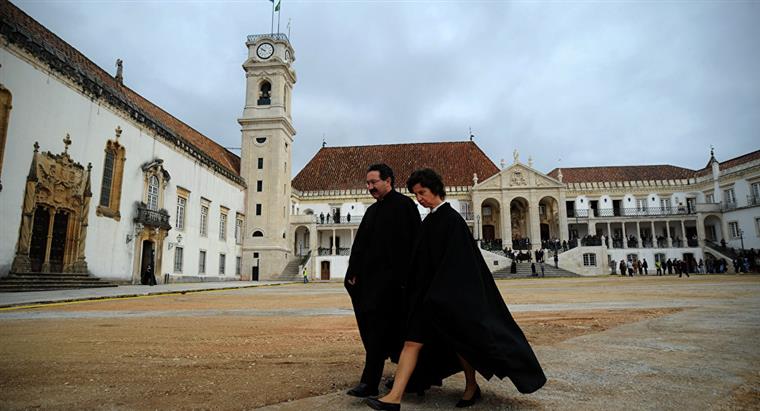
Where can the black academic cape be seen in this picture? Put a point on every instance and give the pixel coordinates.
(380, 261)
(455, 292)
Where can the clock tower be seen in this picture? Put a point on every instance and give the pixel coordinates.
(267, 143)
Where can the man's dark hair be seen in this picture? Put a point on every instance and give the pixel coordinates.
(384, 171)
(428, 178)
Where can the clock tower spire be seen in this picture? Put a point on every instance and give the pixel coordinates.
(267, 142)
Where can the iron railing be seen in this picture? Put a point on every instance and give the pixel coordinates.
(753, 200)
(337, 219)
(644, 212)
(276, 36)
(152, 218)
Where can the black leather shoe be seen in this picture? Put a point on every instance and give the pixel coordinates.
(376, 404)
(466, 403)
(362, 390)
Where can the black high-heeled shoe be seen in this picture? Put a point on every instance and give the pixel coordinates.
(376, 404)
(475, 397)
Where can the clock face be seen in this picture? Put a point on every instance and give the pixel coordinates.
(265, 50)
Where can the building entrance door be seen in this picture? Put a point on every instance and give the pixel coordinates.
(489, 233)
(147, 267)
(38, 245)
(325, 271)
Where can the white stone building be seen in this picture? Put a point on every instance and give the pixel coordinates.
(97, 179)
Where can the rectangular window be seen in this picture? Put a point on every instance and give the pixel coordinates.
(733, 229)
(665, 204)
(258, 209)
(238, 265)
(105, 188)
(223, 226)
(728, 196)
(261, 163)
(178, 251)
(204, 221)
(202, 262)
(239, 231)
(641, 205)
(757, 226)
(222, 258)
(754, 196)
(709, 198)
(589, 260)
(259, 186)
(180, 221)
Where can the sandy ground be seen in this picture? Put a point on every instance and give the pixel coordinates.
(243, 349)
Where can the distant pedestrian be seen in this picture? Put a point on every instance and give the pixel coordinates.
(542, 268)
(533, 269)
(645, 266)
(305, 277)
(556, 260)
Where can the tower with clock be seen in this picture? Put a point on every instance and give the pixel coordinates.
(266, 146)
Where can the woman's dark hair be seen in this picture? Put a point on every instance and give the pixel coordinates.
(428, 178)
(384, 171)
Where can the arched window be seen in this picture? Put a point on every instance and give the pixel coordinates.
(265, 93)
(113, 170)
(153, 193)
(258, 234)
(5, 112)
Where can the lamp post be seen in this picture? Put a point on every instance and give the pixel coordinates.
(477, 229)
(741, 237)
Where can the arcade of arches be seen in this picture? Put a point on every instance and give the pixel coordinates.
(537, 220)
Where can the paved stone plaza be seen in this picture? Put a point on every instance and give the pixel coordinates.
(604, 342)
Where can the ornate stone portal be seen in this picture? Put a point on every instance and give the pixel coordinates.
(54, 223)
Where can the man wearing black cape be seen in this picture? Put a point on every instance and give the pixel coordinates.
(377, 273)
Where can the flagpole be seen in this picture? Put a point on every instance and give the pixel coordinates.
(272, 29)
(279, 12)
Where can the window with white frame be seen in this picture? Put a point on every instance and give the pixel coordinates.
(589, 260)
(202, 262)
(223, 225)
(238, 230)
(754, 191)
(665, 204)
(153, 193)
(733, 229)
(178, 251)
(204, 220)
(729, 197)
(222, 262)
(709, 198)
(641, 205)
(180, 220)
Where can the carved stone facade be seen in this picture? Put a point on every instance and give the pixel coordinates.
(53, 229)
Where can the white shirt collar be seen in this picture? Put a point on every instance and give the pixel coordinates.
(437, 207)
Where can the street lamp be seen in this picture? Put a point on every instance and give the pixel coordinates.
(741, 237)
(477, 227)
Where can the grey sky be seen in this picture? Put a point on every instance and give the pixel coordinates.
(590, 83)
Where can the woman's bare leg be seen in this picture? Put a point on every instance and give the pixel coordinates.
(471, 384)
(406, 363)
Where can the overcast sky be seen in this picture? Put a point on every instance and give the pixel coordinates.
(568, 83)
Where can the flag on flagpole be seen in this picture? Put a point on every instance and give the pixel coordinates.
(277, 7)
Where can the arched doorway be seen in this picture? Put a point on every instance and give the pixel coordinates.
(519, 211)
(548, 214)
(490, 224)
(301, 241)
(713, 228)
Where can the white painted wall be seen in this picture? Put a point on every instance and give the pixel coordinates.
(45, 109)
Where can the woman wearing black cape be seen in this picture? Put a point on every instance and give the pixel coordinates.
(457, 318)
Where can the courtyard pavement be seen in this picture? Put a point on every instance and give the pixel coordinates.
(122, 291)
(690, 360)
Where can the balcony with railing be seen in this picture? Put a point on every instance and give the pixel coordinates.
(645, 212)
(152, 218)
(753, 200)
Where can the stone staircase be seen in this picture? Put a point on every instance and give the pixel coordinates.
(523, 271)
(50, 281)
(290, 272)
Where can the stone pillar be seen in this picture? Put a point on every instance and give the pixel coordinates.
(653, 234)
(352, 239)
(506, 224)
(535, 225)
(701, 230)
(591, 224)
(563, 229)
(625, 237)
(46, 263)
(683, 234)
(638, 236)
(670, 238)
(609, 235)
(332, 251)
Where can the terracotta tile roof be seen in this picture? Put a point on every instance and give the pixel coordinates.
(730, 163)
(621, 173)
(22, 30)
(343, 168)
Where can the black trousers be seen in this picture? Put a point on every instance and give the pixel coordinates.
(381, 336)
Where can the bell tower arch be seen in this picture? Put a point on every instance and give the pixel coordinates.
(266, 147)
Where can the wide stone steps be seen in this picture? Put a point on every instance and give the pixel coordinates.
(50, 281)
(523, 271)
(290, 272)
